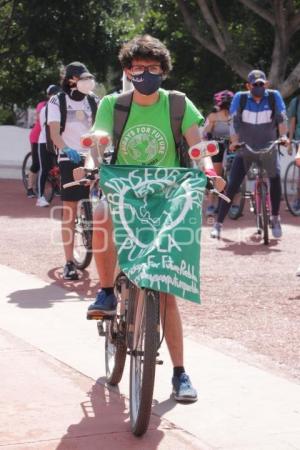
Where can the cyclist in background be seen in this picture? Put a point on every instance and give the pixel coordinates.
(297, 161)
(77, 85)
(146, 62)
(294, 117)
(34, 139)
(45, 158)
(256, 125)
(217, 127)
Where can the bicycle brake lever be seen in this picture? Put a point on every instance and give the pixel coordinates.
(219, 194)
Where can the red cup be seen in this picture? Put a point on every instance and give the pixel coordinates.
(103, 140)
(212, 149)
(195, 153)
(87, 142)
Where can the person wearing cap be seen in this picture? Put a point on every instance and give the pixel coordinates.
(77, 85)
(256, 124)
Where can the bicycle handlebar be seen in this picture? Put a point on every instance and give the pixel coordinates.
(90, 176)
(261, 151)
(210, 186)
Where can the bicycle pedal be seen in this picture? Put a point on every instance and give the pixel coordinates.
(99, 317)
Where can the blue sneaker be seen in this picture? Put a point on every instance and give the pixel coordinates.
(210, 211)
(276, 227)
(104, 305)
(183, 390)
(296, 204)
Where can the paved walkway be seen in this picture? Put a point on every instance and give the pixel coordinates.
(53, 394)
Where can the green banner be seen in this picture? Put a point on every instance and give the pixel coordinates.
(157, 222)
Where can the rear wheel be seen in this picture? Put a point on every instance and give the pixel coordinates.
(143, 360)
(291, 187)
(27, 162)
(49, 190)
(82, 252)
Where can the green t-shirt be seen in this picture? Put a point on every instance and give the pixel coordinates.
(293, 113)
(147, 138)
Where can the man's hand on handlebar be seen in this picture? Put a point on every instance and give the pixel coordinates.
(233, 146)
(83, 176)
(78, 173)
(219, 183)
(284, 140)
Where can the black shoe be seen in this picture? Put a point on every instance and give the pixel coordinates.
(70, 272)
(31, 193)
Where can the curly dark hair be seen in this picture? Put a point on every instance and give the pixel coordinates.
(145, 47)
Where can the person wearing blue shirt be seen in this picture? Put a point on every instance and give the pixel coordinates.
(259, 121)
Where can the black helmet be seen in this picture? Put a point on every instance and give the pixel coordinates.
(77, 69)
(53, 89)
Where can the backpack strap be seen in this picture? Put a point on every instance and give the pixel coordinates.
(243, 101)
(177, 109)
(63, 111)
(296, 108)
(121, 114)
(272, 102)
(93, 105)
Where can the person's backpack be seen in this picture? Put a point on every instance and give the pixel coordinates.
(271, 99)
(63, 117)
(177, 109)
(296, 109)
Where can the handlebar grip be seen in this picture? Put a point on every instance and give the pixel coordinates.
(81, 182)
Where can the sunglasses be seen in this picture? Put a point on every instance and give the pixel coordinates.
(258, 84)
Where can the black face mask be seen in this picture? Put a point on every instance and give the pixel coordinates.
(258, 91)
(76, 95)
(147, 83)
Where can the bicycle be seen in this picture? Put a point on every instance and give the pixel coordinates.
(291, 184)
(52, 185)
(260, 202)
(136, 330)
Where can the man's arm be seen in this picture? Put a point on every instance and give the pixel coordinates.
(56, 136)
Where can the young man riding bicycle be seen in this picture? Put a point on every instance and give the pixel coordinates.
(256, 122)
(147, 138)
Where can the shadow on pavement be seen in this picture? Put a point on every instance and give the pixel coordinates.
(105, 425)
(253, 246)
(85, 286)
(43, 297)
(46, 296)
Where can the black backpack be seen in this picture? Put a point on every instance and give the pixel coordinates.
(296, 110)
(92, 99)
(271, 99)
(177, 109)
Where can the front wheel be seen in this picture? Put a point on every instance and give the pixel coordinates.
(115, 334)
(82, 251)
(143, 360)
(291, 188)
